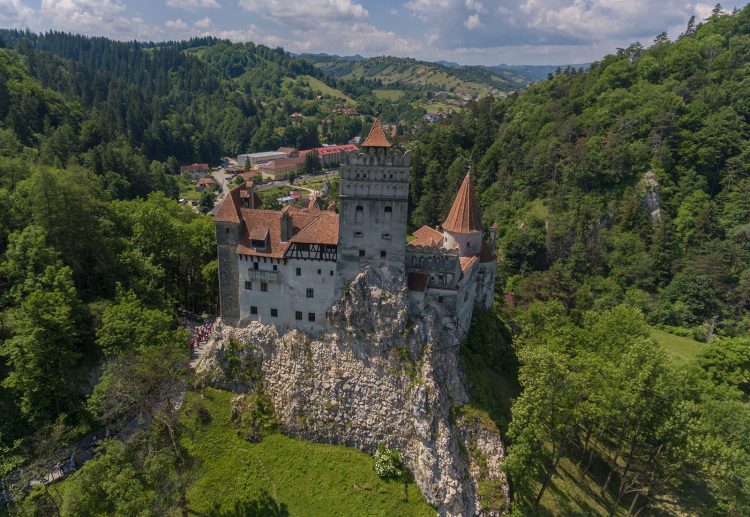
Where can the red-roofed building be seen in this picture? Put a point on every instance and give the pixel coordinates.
(332, 154)
(206, 183)
(196, 170)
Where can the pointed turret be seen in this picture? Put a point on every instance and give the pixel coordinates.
(464, 216)
(376, 138)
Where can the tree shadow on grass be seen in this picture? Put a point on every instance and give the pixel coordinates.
(263, 506)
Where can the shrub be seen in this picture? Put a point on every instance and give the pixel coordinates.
(388, 463)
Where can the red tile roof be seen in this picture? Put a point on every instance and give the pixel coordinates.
(307, 227)
(324, 229)
(467, 262)
(426, 236)
(331, 149)
(229, 209)
(464, 215)
(377, 137)
(313, 204)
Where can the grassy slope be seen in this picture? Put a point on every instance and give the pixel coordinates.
(680, 349)
(321, 87)
(388, 94)
(280, 474)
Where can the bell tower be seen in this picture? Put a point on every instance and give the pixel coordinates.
(373, 204)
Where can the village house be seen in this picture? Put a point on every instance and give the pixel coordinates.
(287, 267)
(195, 170)
(206, 183)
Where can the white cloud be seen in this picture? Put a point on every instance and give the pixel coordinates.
(301, 12)
(703, 11)
(177, 25)
(472, 22)
(96, 17)
(13, 12)
(193, 5)
(474, 5)
(203, 24)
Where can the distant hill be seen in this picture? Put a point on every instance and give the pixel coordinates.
(396, 72)
(440, 75)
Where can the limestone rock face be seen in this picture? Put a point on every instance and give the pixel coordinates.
(649, 186)
(378, 377)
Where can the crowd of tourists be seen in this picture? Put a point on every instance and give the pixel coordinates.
(200, 336)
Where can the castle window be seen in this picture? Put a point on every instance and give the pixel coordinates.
(275, 267)
(310, 316)
(391, 176)
(388, 209)
(264, 286)
(274, 312)
(310, 293)
(320, 272)
(361, 253)
(227, 231)
(357, 235)
(298, 315)
(382, 254)
(255, 265)
(248, 285)
(359, 214)
(386, 236)
(332, 272)
(253, 309)
(299, 271)
(440, 299)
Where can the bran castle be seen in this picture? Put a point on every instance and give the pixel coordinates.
(287, 267)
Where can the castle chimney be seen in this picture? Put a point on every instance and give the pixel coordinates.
(285, 224)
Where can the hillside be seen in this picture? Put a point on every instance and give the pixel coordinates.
(620, 196)
(410, 73)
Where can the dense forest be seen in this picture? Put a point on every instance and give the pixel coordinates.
(622, 200)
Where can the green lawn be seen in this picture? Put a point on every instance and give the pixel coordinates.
(388, 94)
(280, 475)
(321, 87)
(680, 349)
(437, 107)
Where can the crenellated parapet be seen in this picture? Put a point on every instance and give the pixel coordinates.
(390, 158)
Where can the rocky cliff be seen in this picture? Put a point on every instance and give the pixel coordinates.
(380, 377)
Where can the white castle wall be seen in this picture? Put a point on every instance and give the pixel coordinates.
(287, 292)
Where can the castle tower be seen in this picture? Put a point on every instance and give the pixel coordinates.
(373, 204)
(463, 226)
(228, 224)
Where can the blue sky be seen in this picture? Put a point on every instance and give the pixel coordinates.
(465, 31)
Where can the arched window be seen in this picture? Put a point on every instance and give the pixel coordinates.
(388, 209)
(359, 214)
(387, 212)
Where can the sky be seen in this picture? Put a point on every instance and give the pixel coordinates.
(488, 32)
